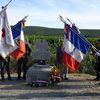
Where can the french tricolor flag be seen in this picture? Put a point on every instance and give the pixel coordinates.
(18, 36)
(75, 47)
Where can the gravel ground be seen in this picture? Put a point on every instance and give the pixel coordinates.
(79, 86)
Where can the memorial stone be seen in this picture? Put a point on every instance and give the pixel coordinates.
(40, 70)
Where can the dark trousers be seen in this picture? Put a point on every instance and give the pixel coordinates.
(2, 69)
(4, 65)
(22, 64)
(63, 70)
(98, 69)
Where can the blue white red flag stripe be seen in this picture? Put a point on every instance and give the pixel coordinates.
(79, 41)
(18, 37)
(16, 30)
(75, 48)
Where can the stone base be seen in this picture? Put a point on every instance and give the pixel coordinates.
(38, 72)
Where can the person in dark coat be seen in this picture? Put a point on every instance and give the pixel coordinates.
(5, 64)
(23, 62)
(97, 53)
(59, 54)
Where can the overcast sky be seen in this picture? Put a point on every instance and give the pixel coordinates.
(84, 13)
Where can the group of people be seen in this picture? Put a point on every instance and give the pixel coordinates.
(5, 63)
(21, 64)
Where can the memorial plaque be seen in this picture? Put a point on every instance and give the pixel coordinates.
(41, 51)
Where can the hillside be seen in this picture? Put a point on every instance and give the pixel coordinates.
(36, 30)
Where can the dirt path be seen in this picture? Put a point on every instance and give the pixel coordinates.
(79, 86)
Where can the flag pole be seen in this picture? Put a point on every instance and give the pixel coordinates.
(69, 21)
(95, 49)
(4, 7)
(24, 18)
(74, 25)
(7, 3)
(87, 40)
(61, 18)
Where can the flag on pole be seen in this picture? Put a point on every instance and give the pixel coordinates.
(18, 35)
(6, 39)
(75, 47)
(75, 29)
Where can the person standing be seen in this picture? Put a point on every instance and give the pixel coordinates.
(22, 62)
(97, 53)
(59, 54)
(5, 63)
(2, 68)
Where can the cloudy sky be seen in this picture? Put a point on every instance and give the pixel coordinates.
(84, 13)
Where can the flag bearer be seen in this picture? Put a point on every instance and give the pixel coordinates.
(59, 54)
(22, 62)
(5, 63)
(98, 61)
